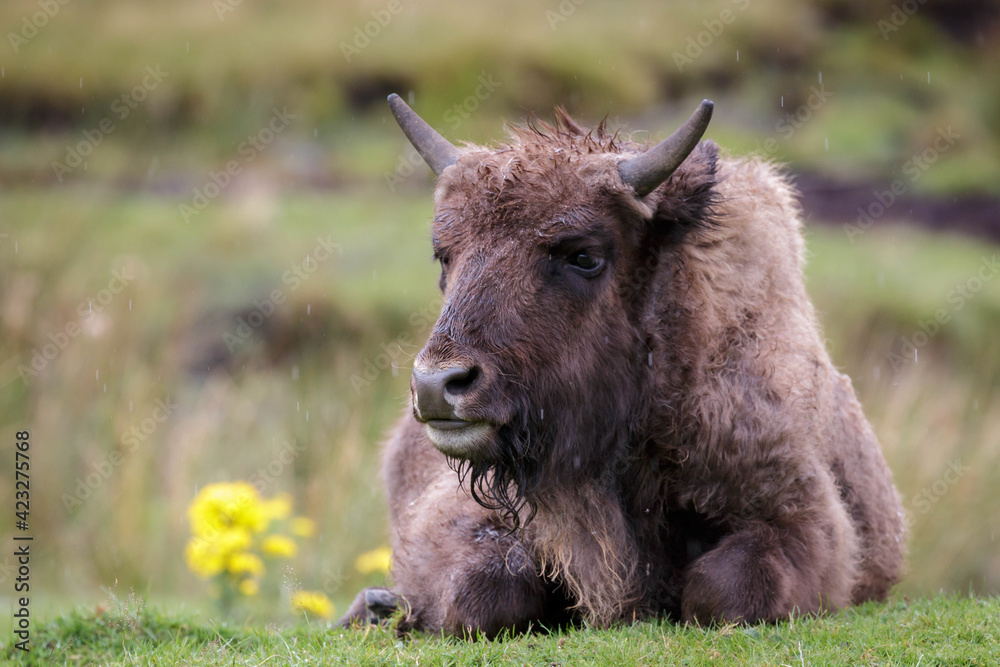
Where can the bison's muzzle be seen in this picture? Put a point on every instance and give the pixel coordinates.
(437, 402)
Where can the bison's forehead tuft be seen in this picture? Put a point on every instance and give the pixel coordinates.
(527, 188)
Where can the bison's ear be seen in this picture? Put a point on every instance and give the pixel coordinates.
(686, 198)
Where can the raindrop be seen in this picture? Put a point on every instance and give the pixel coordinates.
(975, 404)
(782, 101)
(543, 413)
(97, 374)
(826, 142)
(105, 387)
(914, 356)
(91, 306)
(307, 261)
(130, 304)
(928, 77)
(737, 55)
(649, 359)
(308, 309)
(187, 47)
(881, 280)
(821, 78)
(307, 415)
(295, 372)
(81, 82)
(296, 406)
(315, 132)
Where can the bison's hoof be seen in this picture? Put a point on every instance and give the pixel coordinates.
(371, 606)
(381, 604)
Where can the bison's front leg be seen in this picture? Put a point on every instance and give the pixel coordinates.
(766, 570)
(459, 570)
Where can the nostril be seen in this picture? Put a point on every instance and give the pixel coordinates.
(462, 381)
(438, 392)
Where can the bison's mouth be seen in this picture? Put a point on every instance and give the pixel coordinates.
(459, 438)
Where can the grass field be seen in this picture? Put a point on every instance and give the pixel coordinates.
(328, 371)
(938, 631)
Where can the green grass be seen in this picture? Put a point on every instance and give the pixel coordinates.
(943, 630)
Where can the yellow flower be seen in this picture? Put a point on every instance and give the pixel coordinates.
(279, 545)
(246, 563)
(227, 506)
(207, 556)
(303, 527)
(249, 587)
(278, 507)
(376, 560)
(202, 557)
(313, 602)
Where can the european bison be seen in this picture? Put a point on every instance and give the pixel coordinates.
(626, 408)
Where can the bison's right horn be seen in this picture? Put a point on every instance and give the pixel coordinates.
(645, 172)
(436, 151)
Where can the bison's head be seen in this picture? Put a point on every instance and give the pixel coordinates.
(538, 370)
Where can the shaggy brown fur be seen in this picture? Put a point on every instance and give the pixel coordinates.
(672, 426)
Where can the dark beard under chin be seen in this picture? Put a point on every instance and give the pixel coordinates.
(505, 481)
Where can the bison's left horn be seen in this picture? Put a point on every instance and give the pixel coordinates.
(436, 151)
(645, 172)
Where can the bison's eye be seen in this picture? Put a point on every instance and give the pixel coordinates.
(586, 264)
(445, 261)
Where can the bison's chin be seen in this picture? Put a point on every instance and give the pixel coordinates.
(458, 439)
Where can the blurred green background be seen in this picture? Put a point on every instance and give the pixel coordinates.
(207, 203)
